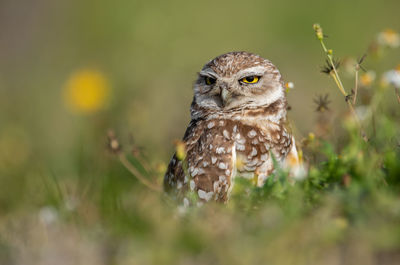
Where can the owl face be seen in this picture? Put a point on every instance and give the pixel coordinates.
(237, 80)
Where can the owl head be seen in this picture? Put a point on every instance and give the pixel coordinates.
(237, 80)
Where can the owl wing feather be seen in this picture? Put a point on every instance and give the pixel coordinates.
(210, 163)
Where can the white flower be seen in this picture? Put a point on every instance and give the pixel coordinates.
(48, 215)
(389, 38)
(362, 112)
(289, 86)
(392, 77)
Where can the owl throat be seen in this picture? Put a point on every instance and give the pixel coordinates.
(274, 112)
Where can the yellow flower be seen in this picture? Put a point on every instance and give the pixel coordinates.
(311, 136)
(180, 149)
(367, 78)
(161, 168)
(389, 38)
(86, 91)
(239, 163)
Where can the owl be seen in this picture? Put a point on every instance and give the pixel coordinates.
(238, 128)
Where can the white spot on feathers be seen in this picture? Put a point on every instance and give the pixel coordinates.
(226, 134)
(264, 157)
(213, 160)
(192, 185)
(252, 163)
(210, 125)
(222, 165)
(267, 146)
(253, 152)
(215, 186)
(252, 133)
(240, 147)
(220, 150)
(194, 172)
(240, 140)
(205, 195)
(249, 168)
(185, 202)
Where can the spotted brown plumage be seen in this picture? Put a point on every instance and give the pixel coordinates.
(236, 128)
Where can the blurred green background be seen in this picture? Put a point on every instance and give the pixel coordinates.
(146, 54)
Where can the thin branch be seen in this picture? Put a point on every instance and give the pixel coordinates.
(358, 67)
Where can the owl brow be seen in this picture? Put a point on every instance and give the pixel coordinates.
(251, 74)
(257, 70)
(209, 74)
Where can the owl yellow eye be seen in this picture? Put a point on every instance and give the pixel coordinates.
(210, 80)
(250, 79)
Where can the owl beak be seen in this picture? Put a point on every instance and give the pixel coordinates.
(225, 95)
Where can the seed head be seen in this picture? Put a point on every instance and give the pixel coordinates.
(322, 102)
(113, 143)
(318, 31)
(328, 67)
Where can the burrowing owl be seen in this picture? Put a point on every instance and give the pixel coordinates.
(238, 122)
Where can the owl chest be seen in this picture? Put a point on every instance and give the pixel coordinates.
(250, 145)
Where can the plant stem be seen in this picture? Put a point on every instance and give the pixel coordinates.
(356, 85)
(396, 90)
(353, 112)
(128, 165)
(338, 84)
(337, 78)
